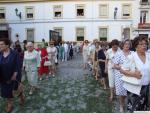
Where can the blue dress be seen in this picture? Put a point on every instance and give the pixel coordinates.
(101, 55)
(9, 65)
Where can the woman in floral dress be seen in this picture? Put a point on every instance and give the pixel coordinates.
(109, 64)
(119, 59)
(31, 64)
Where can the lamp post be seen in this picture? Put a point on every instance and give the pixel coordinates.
(18, 13)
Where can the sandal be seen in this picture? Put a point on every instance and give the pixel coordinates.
(22, 99)
(121, 110)
(110, 99)
(9, 109)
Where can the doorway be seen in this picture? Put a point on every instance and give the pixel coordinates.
(146, 35)
(4, 34)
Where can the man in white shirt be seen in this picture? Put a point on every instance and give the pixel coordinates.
(66, 51)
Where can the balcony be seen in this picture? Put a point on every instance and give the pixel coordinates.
(144, 25)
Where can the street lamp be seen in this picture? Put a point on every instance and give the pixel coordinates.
(18, 13)
(115, 12)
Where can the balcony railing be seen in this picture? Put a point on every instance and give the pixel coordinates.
(144, 25)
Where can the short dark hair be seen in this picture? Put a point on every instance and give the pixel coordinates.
(25, 41)
(86, 41)
(114, 42)
(138, 39)
(6, 41)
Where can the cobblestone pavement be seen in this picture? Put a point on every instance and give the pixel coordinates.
(73, 90)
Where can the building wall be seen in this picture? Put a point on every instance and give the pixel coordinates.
(44, 20)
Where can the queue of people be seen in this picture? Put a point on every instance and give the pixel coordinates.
(36, 62)
(127, 71)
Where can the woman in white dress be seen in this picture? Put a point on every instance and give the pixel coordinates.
(109, 64)
(137, 95)
(85, 54)
(52, 55)
(31, 64)
(119, 59)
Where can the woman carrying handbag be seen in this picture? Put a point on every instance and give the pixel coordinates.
(10, 69)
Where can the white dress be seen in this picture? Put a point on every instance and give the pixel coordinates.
(119, 59)
(110, 56)
(31, 63)
(85, 53)
(91, 50)
(52, 54)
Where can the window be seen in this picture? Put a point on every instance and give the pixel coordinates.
(126, 33)
(2, 13)
(57, 11)
(30, 34)
(103, 34)
(126, 11)
(60, 31)
(103, 10)
(144, 17)
(144, 1)
(80, 34)
(80, 10)
(29, 13)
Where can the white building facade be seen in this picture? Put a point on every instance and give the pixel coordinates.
(75, 20)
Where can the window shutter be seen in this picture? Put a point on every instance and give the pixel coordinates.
(80, 32)
(103, 10)
(29, 10)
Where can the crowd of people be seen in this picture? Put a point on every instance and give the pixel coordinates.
(36, 61)
(124, 65)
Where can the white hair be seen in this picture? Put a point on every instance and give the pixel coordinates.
(29, 44)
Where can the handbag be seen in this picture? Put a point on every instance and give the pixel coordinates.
(19, 91)
(47, 63)
(130, 64)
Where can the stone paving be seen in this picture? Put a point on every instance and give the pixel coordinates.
(73, 90)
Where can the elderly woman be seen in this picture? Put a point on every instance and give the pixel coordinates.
(138, 71)
(42, 69)
(102, 59)
(10, 73)
(119, 59)
(109, 64)
(96, 68)
(31, 64)
(52, 54)
(85, 54)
